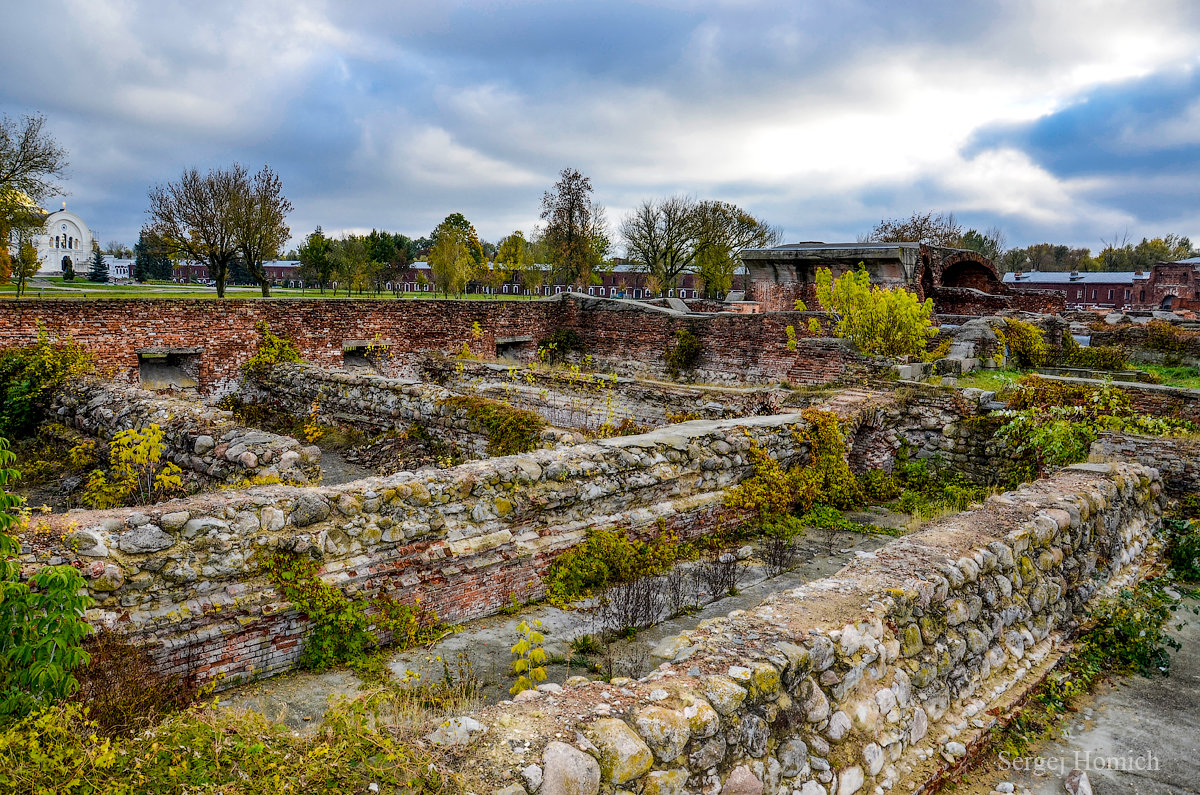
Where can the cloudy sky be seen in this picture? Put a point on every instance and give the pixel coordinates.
(1072, 121)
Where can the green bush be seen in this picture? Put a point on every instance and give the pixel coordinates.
(1183, 549)
(343, 629)
(1099, 357)
(880, 321)
(684, 353)
(30, 376)
(272, 350)
(607, 558)
(1026, 344)
(560, 344)
(1168, 338)
(41, 618)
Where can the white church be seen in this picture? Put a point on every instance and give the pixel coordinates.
(67, 241)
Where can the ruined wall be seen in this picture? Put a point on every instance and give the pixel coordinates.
(876, 679)
(197, 438)
(224, 330)
(623, 336)
(373, 403)
(1155, 399)
(184, 575)
(587, 400)
(1176, 458)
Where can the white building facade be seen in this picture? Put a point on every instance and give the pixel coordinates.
(66, 240)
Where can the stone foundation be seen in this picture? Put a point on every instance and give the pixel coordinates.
(197, 438)
(875, 679)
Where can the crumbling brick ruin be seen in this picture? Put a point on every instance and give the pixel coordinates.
(846, 684)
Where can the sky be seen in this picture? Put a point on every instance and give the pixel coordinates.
(1074, 122)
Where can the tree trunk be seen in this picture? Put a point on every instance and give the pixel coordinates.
(266, 289)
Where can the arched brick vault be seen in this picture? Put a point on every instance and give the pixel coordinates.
(965, 269)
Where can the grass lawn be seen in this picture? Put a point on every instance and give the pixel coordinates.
(52, 288)
(1187, 377)
(991, 380)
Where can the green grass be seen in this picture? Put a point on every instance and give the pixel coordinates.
(990, 380)
(84, 289)
(1180, 376)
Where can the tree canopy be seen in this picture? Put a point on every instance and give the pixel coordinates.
(31, 161)
(260, 222)
(576, 230)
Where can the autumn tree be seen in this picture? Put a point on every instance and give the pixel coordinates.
(196, 218)
(31, 162)
(514, 256)
(451, 257)
(352, 263)
(260, 226)
(936, 229)
(723, 232)
(576, 232)
(25, 265)
(316, 261)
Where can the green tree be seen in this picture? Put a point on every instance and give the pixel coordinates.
(1126, 256)
(723, 232)
(260, 222)
(880, 321)
(458, 223)
(514, 256)
(31, 161)
(450, 259)
(26, 265)
(989, 243)
(316, 260)
(352, 263)
(576, 232)
(98, 271)
(150, 258)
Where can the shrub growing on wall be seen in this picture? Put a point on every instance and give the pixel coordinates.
(510, 430)
(684, 353)
(30, 376)
(880, 321)
(272, 350)
(1026, 344)
(559, 345)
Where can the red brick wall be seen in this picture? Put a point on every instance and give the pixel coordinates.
(736, 347)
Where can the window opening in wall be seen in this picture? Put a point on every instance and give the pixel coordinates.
(169, 369)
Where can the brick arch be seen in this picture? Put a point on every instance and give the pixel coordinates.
(968, 269)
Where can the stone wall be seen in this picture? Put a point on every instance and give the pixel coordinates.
(587, 400)
(197, 438)
(373, 403)
(1176, 458)
(1161, 401)
(184, 575)
(876, 679)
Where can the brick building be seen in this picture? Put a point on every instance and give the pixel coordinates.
(1167, 286)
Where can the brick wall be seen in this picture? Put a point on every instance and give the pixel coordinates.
(748, 348)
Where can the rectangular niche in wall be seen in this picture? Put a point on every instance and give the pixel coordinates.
(366, 355)
(165, 369)
(519, 348)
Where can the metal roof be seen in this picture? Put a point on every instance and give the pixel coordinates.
(1071, 277)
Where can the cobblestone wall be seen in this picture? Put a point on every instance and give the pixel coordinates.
(873, 680)
(587, 400)
(1177, 458)
(185, 574)
(198, 438)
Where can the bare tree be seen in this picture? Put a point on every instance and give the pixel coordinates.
(30, 160)
(660, 237)
(938, 229)
(261, 223)
(196, 218)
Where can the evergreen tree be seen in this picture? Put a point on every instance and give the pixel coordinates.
(99, 269)
(150, 258)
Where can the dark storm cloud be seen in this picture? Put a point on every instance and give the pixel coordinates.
(822, 118)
